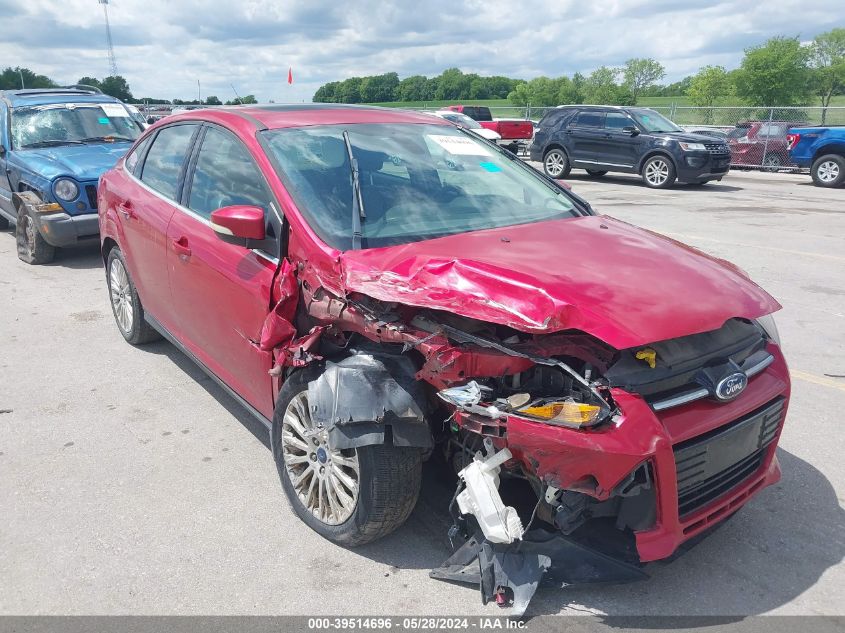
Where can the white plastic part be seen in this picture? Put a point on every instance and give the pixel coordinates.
(481, 498)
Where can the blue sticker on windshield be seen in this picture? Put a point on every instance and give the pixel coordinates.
(104, 121)
(491, 167)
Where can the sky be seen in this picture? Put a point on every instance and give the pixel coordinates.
(164, 47)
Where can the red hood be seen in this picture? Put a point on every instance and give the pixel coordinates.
(620, 283)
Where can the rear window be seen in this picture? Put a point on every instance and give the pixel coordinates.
(479, 113)
(590, 119)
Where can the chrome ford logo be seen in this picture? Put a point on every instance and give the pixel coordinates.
(731, 386)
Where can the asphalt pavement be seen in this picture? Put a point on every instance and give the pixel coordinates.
(131, 484)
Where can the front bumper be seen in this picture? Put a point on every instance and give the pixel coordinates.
(61, 229)
(596, 462)
(696, 166)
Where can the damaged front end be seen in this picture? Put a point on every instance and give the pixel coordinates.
(565, 447)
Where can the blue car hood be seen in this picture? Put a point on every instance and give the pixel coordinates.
(82, 162)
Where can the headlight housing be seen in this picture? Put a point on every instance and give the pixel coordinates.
(65, 189)
(768, 325)
(565, 412)
(692, 147)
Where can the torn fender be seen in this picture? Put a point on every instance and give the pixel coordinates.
(359, 398)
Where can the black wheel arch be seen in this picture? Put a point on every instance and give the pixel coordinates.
(833, 148)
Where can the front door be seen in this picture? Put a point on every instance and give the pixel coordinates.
(222, 291)
(618, 148)
(5, 184)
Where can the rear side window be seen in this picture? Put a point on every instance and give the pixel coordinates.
(589, 119)
(166, 158)
(133, 160)
(225, 175)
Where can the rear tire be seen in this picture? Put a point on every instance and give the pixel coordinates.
(32, 247)
(556, 163)
(596, 173)
(828, 171)
(374, 488)
(125, 302)
(658, 172)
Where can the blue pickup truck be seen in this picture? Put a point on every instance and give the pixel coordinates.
(54, 145)
(822, 150)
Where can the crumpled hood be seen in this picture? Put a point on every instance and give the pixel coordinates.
(622, 284)
(82, 162)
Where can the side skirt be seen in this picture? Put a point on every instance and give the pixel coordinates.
(172, 339)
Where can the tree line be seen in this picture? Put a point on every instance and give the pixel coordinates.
(780, 72)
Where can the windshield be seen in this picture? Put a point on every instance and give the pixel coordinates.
(652, 121)
(461, 119)
(418, 181)
(71, 123)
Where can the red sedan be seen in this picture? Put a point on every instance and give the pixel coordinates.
(380, 288)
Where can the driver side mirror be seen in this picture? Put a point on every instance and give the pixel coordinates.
(630, 129)
(238, 224)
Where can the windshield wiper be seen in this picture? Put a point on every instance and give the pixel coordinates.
(357, 201)
(106, 139)
(51, 143)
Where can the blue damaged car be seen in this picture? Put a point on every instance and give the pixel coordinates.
(54, 145)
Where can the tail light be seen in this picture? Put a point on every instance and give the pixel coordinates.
(792, 140)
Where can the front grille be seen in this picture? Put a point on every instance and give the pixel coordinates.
(713, 464)
(717, 149)
(91, 192)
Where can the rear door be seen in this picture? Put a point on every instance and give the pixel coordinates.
(145, 200)
(222, 291)
(585, 135)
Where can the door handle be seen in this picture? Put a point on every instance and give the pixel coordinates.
(126, 209)
(181, 246)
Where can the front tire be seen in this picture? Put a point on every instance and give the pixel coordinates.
(828, 170)
(556, 163)
(659, 172)
(32, 247)
(351, 497)
(125, 302)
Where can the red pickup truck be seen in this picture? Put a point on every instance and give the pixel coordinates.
(514, 132)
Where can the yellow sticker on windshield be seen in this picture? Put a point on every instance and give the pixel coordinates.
(460, 145)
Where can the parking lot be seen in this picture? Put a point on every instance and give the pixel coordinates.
(131, 484)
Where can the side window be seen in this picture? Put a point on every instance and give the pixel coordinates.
(616, 121)
(132, 162)
(589, 119)
(163, 165)
(225, 175)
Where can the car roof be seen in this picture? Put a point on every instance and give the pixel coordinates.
(277, 116)
(49, 96)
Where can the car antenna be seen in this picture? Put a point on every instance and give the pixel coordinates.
(357, 201)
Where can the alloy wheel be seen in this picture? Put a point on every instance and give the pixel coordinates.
(828, 171)
(657, 172)
(121, 296)
(555, 163)
(326, 481)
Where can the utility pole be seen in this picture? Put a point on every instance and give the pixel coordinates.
(109, 43)
(199, 92)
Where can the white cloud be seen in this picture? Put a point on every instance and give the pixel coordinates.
(164, 47)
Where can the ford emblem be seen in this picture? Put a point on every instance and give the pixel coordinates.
(731, 386)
